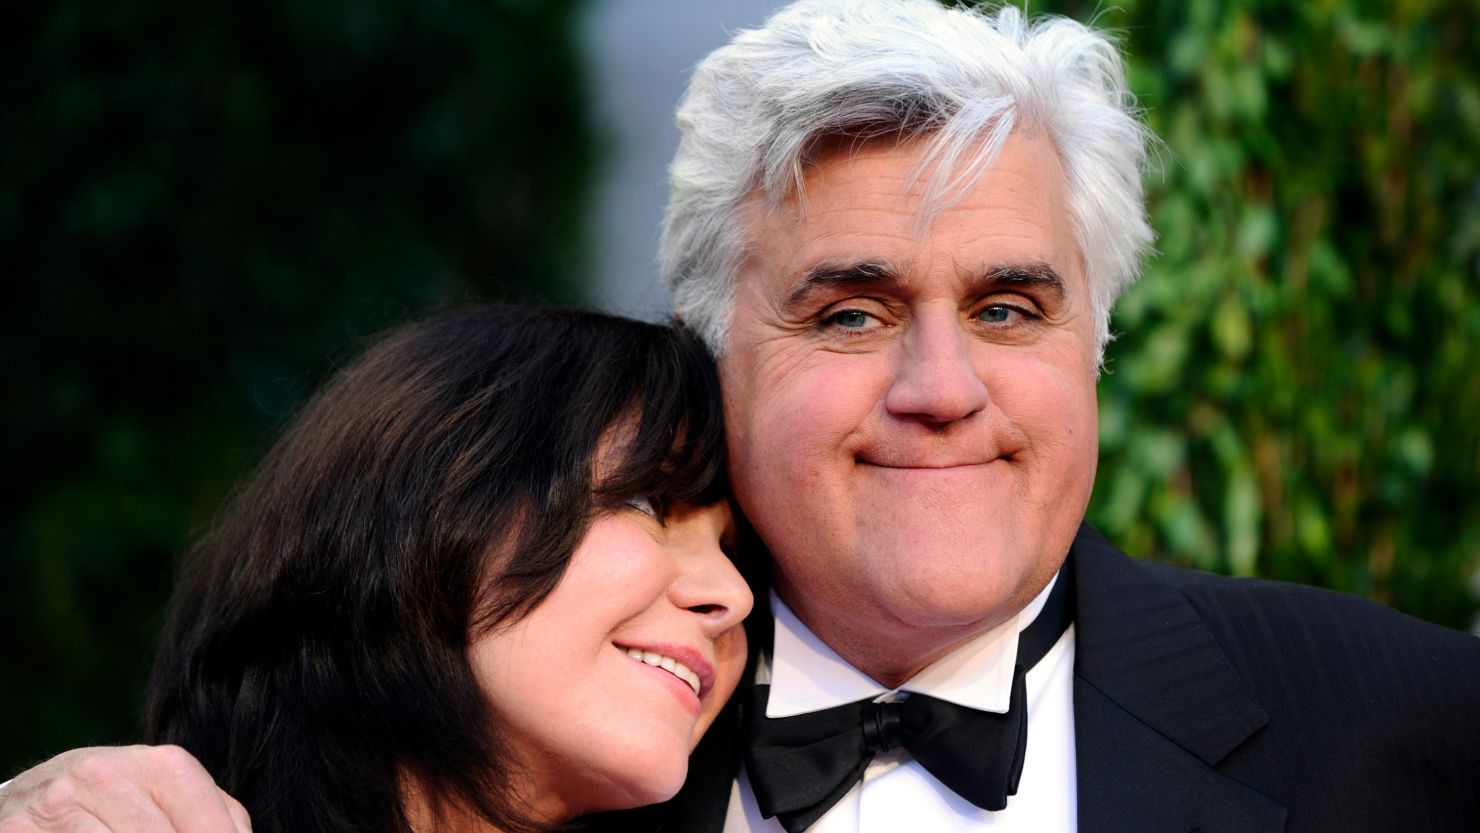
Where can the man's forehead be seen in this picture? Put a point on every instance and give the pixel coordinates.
(946, 168)
(860, 215)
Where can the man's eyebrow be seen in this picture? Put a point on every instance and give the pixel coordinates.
(996, 277)
(1039, 276)
(825, 275)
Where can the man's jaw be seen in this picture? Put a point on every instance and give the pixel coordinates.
(890, 650)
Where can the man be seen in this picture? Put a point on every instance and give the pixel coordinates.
(902, 228)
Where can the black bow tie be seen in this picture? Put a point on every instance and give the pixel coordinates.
(801, 766)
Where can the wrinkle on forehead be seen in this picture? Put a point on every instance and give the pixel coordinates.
(899, 192)
(951, 164)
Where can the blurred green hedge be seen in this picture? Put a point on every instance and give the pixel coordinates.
(202, 207)
(1294, 393)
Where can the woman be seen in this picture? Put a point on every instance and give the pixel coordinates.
(477, 585)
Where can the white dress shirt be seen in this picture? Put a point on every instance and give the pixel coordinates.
(896, 793)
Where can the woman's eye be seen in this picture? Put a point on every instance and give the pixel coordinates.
(645, 506)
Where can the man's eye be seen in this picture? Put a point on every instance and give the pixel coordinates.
(997, 314)
(850, 319)
(645, 506)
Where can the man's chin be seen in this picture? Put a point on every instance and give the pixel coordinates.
(957, 588)
(909, 629)
(969, 609)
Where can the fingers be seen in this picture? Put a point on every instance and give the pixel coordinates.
(239, 815)
(136, 789)
(95, 796)
(189, 797)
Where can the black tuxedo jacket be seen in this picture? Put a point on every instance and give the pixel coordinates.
(1218, 705)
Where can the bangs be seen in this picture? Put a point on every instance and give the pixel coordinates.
(675, 448)
(609, 410)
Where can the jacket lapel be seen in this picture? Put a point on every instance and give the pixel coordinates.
(1156, 707)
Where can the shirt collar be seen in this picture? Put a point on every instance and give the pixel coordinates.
(806, 675)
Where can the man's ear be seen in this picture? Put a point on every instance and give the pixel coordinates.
(677, 317)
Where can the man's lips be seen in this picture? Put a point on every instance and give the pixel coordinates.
(685, 664)
(927, 464)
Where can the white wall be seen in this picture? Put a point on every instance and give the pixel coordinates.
(640, 55)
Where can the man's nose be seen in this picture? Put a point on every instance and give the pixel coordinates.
(934, 379)
(709, 586)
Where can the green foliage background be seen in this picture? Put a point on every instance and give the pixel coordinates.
(202, 208)
(1294, 393)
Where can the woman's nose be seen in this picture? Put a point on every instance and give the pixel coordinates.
(710, 586)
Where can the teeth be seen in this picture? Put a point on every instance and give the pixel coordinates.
(668, 664)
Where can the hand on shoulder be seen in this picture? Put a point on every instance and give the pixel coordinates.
(126, 789)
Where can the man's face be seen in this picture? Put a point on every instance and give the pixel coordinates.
(911, 407)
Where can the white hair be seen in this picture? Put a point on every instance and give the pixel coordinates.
(961, 78)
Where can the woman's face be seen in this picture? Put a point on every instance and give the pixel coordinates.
(595, 724)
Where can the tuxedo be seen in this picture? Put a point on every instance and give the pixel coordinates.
(1220, 705)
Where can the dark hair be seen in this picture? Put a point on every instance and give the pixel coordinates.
(316, 650)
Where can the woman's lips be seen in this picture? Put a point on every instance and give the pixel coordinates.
(686, 664)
